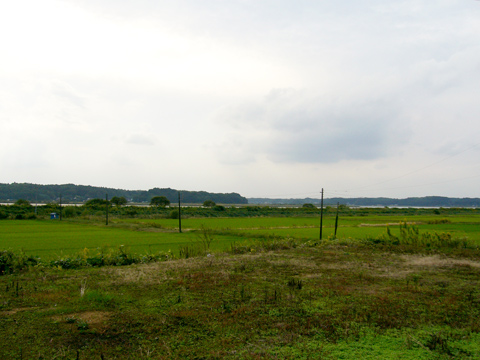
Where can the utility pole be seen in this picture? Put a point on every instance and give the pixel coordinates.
(179, 214)
(321, 216)
(106, 204)
(336, 221)
(60, 207)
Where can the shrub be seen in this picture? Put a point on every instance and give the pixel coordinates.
(173, 214)
(22, 202)
(69, 211)
(11, 262)
(131, 211)
(440, 221)
(68, 263)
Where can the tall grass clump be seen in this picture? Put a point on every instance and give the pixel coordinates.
(11, 262)
(268, 243)
(410, 236)
(112, 257)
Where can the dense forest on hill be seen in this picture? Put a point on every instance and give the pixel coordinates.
(434, 201)
(81, 193)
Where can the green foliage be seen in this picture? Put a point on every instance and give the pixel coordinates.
(440, 221)
(189, 251)
(295, 283)
(173, 214)
(209, 203)
(81, 193)
(99, 298)
(110, 257)
(205, 237)
(119, 200)
(309, 206)
(96, 204)
(11, 262)
(159, 201)
(22, 202)
(410, 236)
(70, 211)
(331, 301)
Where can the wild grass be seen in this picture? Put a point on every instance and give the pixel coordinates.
(335, 299)
(409, 236)
(408, 291)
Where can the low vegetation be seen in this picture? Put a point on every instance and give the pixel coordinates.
(405, 289)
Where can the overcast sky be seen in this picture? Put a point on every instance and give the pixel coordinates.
(269, 98)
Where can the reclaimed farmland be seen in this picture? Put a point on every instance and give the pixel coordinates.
(387, 287)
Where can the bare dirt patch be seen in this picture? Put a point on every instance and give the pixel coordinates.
(388, 224)
(438, 261)
(95, 319)
(14, 311)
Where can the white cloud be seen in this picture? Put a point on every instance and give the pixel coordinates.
(140, 139)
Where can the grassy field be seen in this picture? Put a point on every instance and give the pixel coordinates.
(336, 301)
(51, 239)
(284, 296)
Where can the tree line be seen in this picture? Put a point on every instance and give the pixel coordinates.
(427, 201)
(160, 207)
(71, 193)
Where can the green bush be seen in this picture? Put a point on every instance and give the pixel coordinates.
(69, 211)
(173, 214)
(11, 262)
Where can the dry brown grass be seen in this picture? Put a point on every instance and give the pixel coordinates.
(437, 261)
(17, 310)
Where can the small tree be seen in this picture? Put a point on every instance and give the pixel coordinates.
(159, 201)
(209, 203)
(118, 201)
(96, 203)
(22, 202)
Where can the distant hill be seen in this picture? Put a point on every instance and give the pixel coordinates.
(81, 193)
(427, 201)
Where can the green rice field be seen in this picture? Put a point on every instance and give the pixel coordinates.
(271, 290)
(52, 238)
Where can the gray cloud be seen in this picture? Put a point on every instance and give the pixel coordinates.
(293, 126)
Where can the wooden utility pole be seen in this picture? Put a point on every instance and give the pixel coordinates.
(60, 207)
(179, 214)
(336, 221)
(321, 216)
(106, 214)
